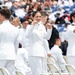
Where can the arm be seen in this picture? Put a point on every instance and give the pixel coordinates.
(30, 29)
(47, 34)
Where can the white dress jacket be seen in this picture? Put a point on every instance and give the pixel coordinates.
(57, 52)
(36, 35)
(70, 38)
(22, 38)
(8, 41)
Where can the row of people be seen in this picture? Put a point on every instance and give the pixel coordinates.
(33, 38)
(10, 36)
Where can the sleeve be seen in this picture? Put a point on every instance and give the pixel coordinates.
(60, 56)
(16, 43)
(46, 34)
(29, 31)
(20, 35)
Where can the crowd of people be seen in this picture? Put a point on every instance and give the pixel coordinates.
(32, 30)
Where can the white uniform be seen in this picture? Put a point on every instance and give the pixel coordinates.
(66, 3)
(8, 4)
(37, 53)
(71, 44)
(8, 45)
(57, 52)
(21, 62)
(20, 13)
(22, 38)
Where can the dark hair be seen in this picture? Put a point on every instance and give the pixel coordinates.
(56, 39)
(6, 13)
(24, 20)
(44, 14)
(71, 15)
(35, 12)
(20, 45)
(47, 22)
(29, 20)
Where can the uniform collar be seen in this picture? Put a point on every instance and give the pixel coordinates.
(40, 23)
(56, 46)
(5, 21)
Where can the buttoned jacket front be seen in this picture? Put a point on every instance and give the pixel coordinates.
(8, 41)
(36, 35)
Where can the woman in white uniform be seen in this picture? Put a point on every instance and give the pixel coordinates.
(37, 53)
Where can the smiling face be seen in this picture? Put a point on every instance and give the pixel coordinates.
(37, 17)
(16, 22)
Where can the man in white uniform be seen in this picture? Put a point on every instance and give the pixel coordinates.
(57, 52)
(70, 37)
(8, 41)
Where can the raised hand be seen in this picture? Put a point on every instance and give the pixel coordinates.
(34, 22)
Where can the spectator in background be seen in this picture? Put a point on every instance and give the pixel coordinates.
(63, 3)
(59, 20)
(66, 16)
(8, 3)
(37, 6)
(19, 12)
(14, 7)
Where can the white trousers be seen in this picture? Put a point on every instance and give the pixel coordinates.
(9, 65)
(38, 65)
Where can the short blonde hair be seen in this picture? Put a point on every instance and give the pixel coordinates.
(16, 19)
